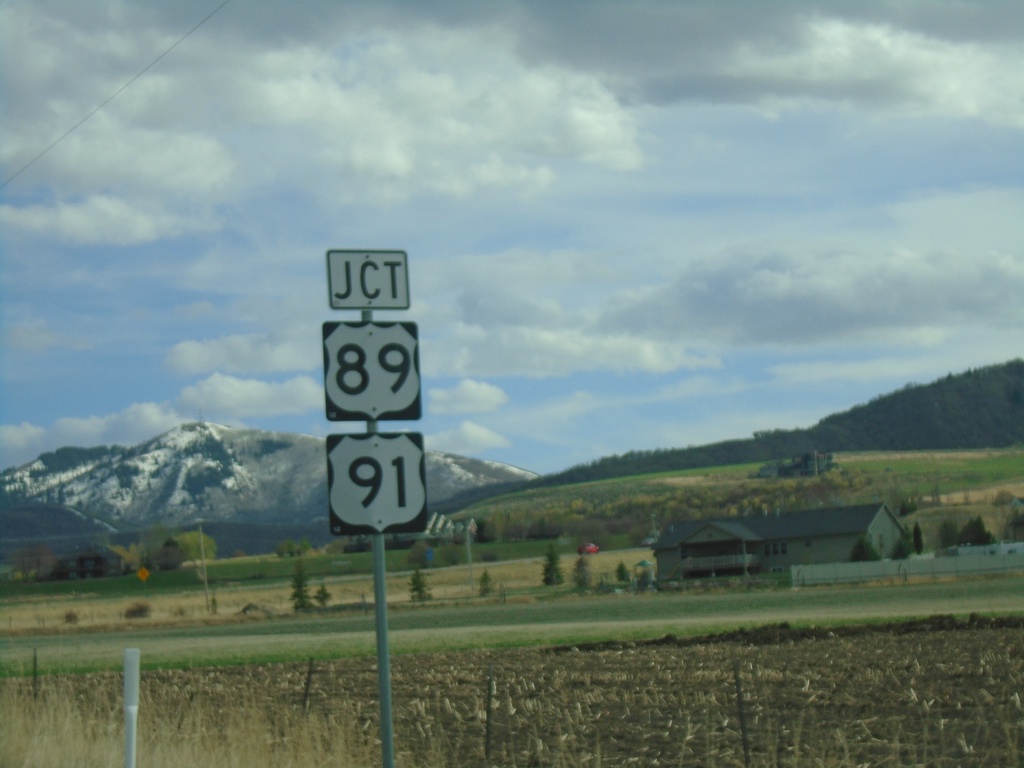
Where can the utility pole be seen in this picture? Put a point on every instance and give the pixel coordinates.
(470, 527)
(202, 554)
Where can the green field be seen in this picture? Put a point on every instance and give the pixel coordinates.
(532, 615)
(567, 619)
(949, 471)
(270, 569)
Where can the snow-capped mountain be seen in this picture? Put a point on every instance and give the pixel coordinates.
(213, 473)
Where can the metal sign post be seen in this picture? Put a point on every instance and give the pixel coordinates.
(376, 482)
(380, 603)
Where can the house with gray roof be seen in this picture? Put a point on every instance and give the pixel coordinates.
(772, 542)
(1017, 524)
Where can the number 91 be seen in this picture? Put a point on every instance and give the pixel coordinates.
(366, 472)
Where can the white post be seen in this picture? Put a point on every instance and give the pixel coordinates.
(131, 704)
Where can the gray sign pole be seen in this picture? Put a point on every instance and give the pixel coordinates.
(387, 736)
(380, 604)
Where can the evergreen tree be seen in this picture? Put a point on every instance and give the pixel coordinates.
(322, 596)
(864, 550)
(975, 533)
(300, 588)
(949, 534)
(918, 539)
(622, 573)
(552, 574)
(581, 573)
(285, 548)
(485, 584)
(901, 549)
(418, 589)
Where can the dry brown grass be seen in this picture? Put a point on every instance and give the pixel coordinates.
(93, 612)
(938, 696)
(862, 456)
(64, 727)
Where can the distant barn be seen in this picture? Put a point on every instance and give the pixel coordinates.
(89, 564)
(809, 464)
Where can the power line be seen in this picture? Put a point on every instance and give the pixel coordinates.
(113, 96)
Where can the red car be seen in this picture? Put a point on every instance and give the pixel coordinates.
(588, 549)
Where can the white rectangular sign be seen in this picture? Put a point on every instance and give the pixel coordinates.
(368, 279)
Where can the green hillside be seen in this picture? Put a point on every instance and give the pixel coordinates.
(930, 485)
(951, 448)
(980, 408)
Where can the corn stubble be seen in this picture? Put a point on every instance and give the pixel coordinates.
(929, 698)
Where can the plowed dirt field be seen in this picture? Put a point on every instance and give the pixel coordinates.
(939, 692)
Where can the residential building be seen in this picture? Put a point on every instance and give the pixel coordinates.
(772, 542)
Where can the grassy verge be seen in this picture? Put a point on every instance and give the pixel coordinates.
(258, 570)
(493, 624)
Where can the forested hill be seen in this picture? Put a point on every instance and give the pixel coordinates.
(982, 408)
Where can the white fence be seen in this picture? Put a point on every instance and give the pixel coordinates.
(901, 570)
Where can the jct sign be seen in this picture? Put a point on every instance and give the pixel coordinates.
(368, 279)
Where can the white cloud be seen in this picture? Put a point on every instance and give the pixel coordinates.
(852, 288)
(468, 439)
(227, 398)
(555, 351)
(138, 422)
(881, 65)
(21, 442)
(922, 363)
(242, 353)
(553, 419)
(468, 396)
(103, 219)
(378, 116)
(178, 162)
(984, 220)
(770, 190)
(218, 398)
(815, 372)
(448, 112)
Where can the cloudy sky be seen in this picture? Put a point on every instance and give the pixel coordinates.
(629, 225)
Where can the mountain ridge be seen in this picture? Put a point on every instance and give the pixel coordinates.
(199, 471)
(239, 478)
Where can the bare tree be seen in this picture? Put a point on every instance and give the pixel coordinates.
(35, 562)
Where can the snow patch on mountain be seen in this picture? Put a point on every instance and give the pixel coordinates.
(212, 472)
